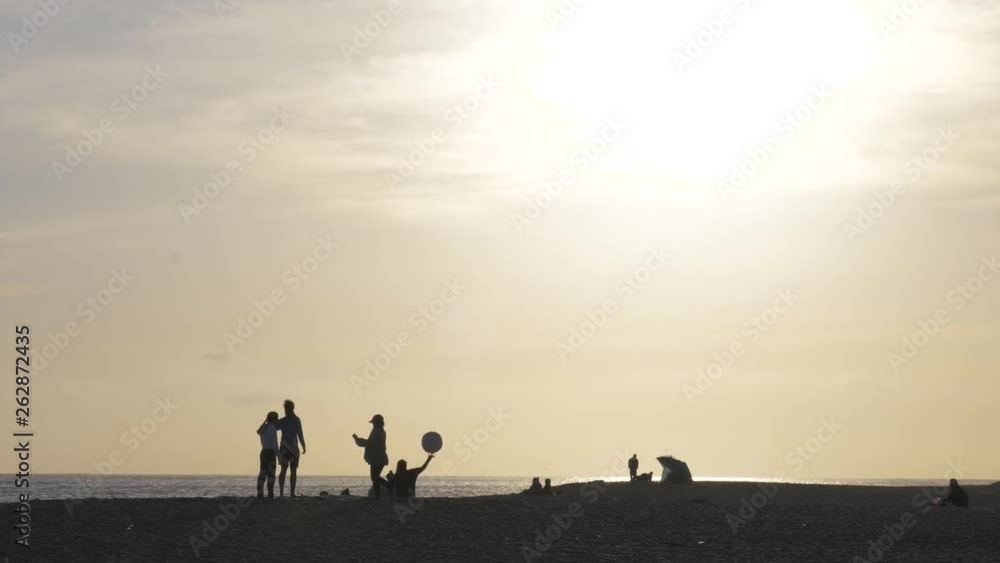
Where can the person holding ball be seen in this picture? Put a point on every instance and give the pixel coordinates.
(405, 481)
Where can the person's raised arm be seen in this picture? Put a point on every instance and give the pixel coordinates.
(426, 463)
(361, 442)
(262, 426)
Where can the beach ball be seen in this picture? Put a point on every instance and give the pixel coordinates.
(432, 442)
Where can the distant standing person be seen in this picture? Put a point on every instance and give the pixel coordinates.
(375, 455)
(956, 495)
(288, 455)
(268, 433)
(405, 482)
(633, 467)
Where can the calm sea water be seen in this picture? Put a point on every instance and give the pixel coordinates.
(158, 486)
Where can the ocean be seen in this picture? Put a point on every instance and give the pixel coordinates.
(167, 486)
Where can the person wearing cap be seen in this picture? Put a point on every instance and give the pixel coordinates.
(375, 455)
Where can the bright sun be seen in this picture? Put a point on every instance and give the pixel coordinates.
(698, 86)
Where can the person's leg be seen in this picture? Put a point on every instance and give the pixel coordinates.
(271, 462)
(376, 475)
(281, 478)
(262, 474)
(294, 462)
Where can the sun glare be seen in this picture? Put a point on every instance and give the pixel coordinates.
(697, 88)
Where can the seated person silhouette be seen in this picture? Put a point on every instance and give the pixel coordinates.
(535, 488)
(547, 489)
(404, 482)
(956, 495)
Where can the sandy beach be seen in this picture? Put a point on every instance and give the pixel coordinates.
(589, 522)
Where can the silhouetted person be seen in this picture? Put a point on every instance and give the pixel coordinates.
(291, 434)
(633, 467)
(404, 483)
(389, 481)
(535, 488)
(547, 489)
(956, 495)
(268, 433)
(375, 455)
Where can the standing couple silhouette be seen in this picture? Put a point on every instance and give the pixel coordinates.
(287, 454)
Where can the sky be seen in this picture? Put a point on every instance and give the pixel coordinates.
(759, 236)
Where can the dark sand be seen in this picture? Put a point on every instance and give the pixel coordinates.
(644, 522)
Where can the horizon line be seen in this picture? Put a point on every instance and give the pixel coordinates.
(725, 478)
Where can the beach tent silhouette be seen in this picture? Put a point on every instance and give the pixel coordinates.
(674, 470)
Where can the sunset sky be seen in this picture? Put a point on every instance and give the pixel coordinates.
(488, 181)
